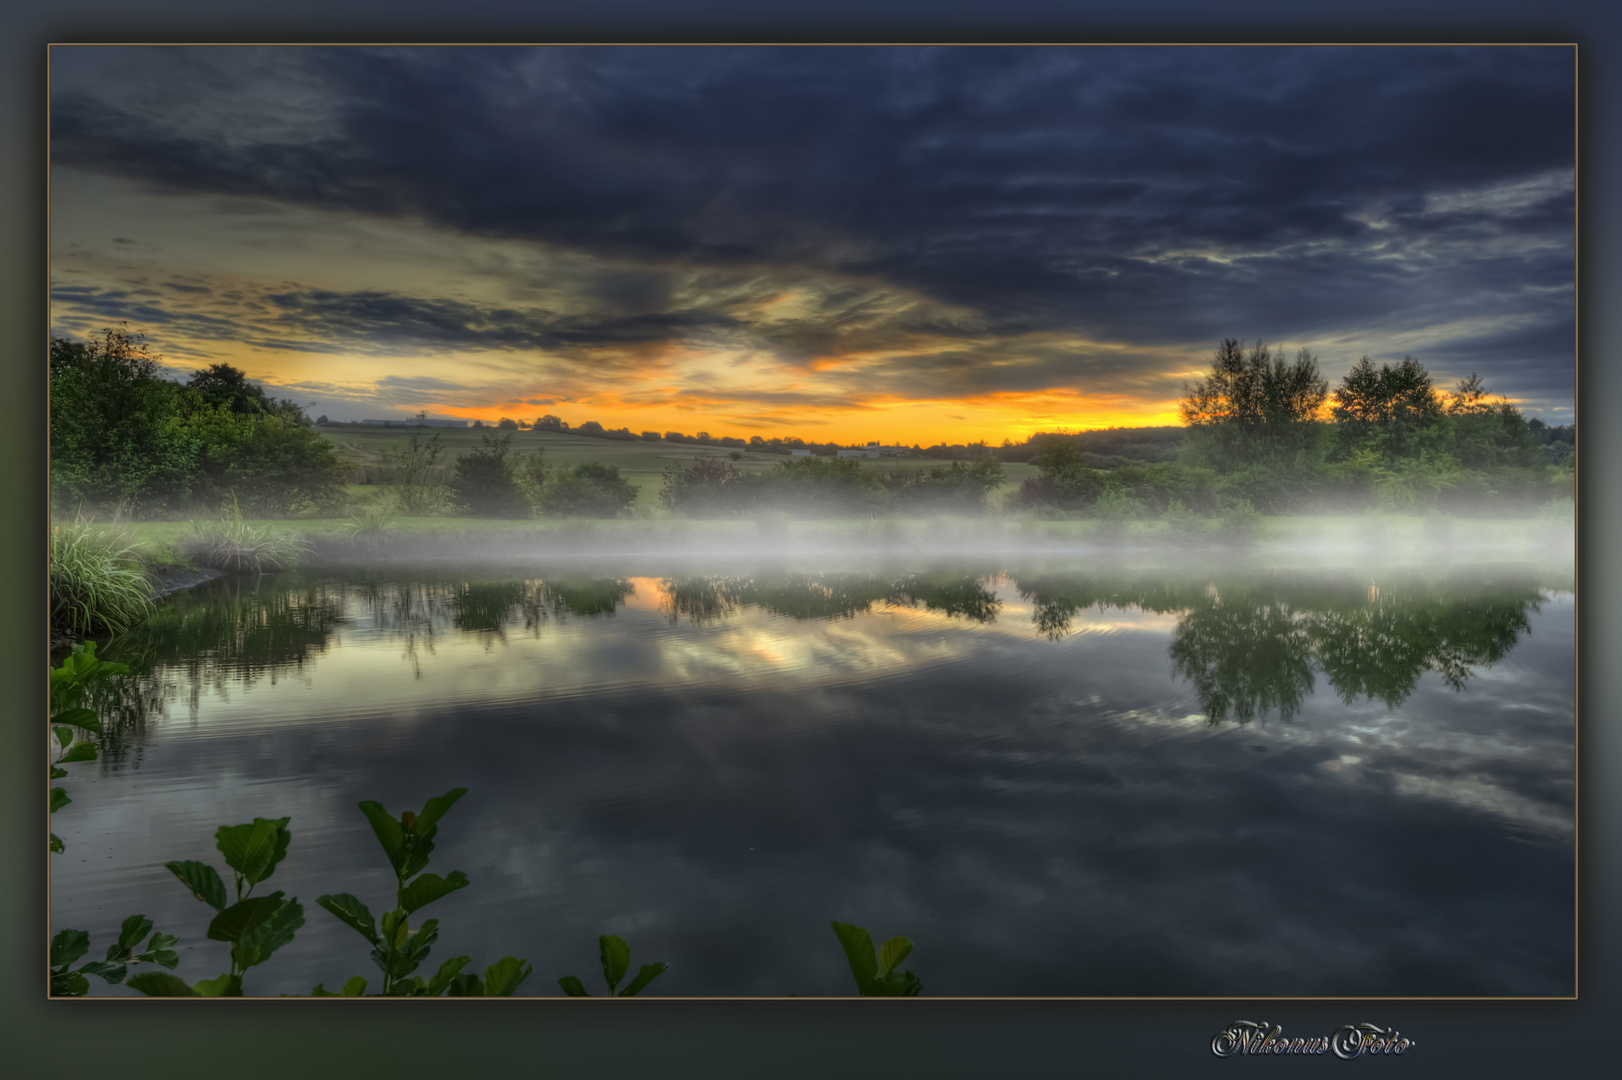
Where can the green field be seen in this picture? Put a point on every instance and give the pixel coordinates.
(643, 462)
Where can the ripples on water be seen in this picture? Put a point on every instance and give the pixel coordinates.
(1055, 782)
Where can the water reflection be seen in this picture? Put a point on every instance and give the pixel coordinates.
(1252, 646)
(707, 598)
(1012, 768)
(1248, 646)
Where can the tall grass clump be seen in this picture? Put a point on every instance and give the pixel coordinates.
(372, 529)
(236, 547)
(98, 583)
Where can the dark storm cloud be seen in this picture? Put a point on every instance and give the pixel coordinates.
(1158, 196)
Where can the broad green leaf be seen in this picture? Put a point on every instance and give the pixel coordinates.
(275, 931)
(895, 984)
(892, 952)
(388, 831)
(57, 774)
(447, 972)
(351, 912)
(226, 985)
(416, 946)
(203, 881)
(320, 991)
(79, 718)
(253, 850)
(57, 845)
(435, 809)
(162, 957)
(573, 986)
(69, 945)
(505, 975)
(160, 941)
(81, 751)
(160, 984)
(858, 946)
(69, 984)
(648, 973)
(129, 935)
(59, 797)
(430, 887)
(244, 916)
(64, 736)
(465, 985)
(245, 955)
(616, 957)
(355, 987)
(113, 973)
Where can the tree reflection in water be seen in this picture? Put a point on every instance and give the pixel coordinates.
(1252, 646)
(706, 598)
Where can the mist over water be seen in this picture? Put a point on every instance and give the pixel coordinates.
(1292, 768)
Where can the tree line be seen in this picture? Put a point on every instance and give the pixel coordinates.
(1266, 431)
(123, 436)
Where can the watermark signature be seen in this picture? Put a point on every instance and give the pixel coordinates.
(1353, 1040)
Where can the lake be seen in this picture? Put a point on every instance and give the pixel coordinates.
(1056, 778)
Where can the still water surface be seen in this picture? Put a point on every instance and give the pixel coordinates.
(1056, 781)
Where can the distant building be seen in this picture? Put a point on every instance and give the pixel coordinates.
(414, 422)
(874, 450)
(799, 453)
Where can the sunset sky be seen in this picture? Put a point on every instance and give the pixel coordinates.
(900, 244)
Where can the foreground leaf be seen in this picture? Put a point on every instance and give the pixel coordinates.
(129, 935)
(435, 809)
(243, 917)
(616, 957)
(352, 913)
(892, 952)
(389, 833)
(203, 881)
(430, 887)
(59, 799)
(274, 932)
(254, 849)
(79, 718)
(505, 976)
(648, 973)
(573, 986)
(226, 985)
(858, 946)
(160, 984)
(68, 946)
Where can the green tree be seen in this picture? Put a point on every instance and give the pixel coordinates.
(115, 434)
(1254, 407)
(413, 471)
(590, 489)
(1390, 409)
(484, 482)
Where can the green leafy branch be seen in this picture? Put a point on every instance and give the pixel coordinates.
(876, 976)
(78, 668)
(616, 958)
(396, 950)
(69, 945)
(254, 926)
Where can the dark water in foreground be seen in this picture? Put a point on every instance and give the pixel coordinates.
(1056, 781)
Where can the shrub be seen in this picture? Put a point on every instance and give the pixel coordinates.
(590, 489)
(484, 482)
(97, 581)
(412, 470)
(819, 487)
(959, 487)
(704, 487)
